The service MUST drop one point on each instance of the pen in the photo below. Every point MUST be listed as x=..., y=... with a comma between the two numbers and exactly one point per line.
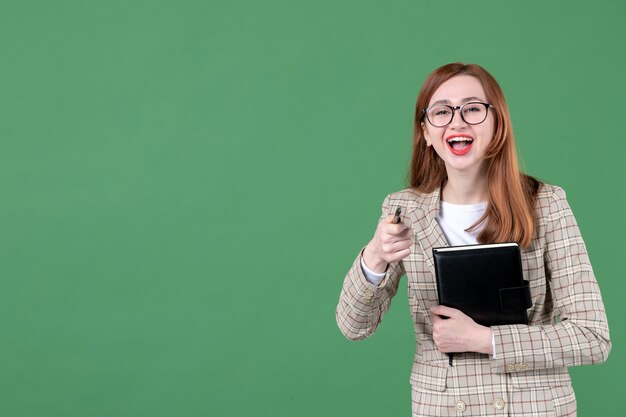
x=396, y=216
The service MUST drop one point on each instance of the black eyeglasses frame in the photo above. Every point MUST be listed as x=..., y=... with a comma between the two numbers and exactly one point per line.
x=454, y=109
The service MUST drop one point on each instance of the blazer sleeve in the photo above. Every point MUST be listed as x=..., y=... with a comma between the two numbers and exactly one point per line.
x=579, y=332
x=362, y=304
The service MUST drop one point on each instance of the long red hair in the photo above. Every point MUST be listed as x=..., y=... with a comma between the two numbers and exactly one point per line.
x=510, y=210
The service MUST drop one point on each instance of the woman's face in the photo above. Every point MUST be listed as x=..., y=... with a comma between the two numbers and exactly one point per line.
x=460, y=145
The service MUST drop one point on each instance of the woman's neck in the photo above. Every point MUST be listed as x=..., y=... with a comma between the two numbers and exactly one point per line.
x=465, y=189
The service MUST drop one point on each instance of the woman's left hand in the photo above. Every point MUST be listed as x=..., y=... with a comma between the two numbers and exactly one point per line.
x=459, y=333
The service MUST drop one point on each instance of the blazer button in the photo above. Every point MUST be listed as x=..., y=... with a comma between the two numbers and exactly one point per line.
x=524, y=367
x=498, y=403
x=460, y=406
x=368, y=295
x=518, y=367
x=510, y=367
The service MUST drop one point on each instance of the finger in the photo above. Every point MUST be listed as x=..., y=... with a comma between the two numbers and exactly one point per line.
x=391, y=248
x=445, y=311
x=392, y=239
x=390, y=219
x=398, y=256
x=395, y=229
x=400, y=228
x=405, y=233
x=435, y=318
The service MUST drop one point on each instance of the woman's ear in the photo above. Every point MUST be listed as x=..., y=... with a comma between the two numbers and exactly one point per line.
x=426, y=135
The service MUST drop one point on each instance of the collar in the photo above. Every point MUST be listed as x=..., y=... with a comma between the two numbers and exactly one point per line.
x=421, y=215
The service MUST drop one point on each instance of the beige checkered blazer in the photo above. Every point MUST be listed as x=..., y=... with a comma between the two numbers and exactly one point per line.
x=529, y=376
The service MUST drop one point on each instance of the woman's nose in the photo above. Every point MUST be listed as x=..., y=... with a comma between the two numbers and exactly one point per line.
x=457, y=121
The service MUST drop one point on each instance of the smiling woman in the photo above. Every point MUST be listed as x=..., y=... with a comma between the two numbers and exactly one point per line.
x=459, y=134
x=466, y=188
x=487, y=169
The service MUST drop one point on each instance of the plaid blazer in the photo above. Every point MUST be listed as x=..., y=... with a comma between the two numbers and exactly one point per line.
x=528, y=376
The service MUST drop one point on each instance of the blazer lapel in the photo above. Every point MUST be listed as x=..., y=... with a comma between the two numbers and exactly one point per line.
x=428, y=234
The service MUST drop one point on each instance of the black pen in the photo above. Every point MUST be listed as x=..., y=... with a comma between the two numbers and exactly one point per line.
x=396, y=216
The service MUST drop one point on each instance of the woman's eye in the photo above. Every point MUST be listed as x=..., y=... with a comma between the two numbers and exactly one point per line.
x=442, y=112
x=472, y=109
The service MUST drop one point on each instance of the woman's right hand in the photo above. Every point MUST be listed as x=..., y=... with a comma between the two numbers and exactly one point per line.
x=391, y=243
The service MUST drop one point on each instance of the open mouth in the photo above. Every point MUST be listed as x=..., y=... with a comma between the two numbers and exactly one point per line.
x=460, y=145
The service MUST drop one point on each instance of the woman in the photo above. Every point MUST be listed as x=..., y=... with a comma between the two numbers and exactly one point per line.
x=466, y=188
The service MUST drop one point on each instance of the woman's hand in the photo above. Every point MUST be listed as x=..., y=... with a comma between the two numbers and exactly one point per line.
x=391, y=243
x=459, y=333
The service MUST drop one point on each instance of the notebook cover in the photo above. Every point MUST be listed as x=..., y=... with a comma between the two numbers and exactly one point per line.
x=469, y=278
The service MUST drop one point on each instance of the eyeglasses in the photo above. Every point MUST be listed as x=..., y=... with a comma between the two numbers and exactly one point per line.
x=472, y=113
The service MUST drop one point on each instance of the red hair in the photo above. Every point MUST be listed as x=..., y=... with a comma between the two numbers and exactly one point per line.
x=511, y=194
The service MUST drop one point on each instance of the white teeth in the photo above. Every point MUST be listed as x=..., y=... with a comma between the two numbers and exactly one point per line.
x=460, y=139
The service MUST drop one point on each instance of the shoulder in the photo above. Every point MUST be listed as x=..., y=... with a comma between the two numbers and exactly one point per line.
x=411, y=197
x=551, y=201
x=550, y=192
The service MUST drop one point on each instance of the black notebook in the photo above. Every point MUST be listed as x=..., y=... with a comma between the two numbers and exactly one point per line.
x=483, y=281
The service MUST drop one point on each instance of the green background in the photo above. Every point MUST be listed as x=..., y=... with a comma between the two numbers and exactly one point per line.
x=184, y=185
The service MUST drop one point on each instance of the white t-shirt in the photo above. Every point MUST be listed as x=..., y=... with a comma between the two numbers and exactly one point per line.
x=454, y=219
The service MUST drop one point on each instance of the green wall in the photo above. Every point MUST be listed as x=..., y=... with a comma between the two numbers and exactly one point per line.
x=184, y=185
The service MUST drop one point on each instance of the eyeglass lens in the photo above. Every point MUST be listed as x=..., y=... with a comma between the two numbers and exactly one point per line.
x=472, y=113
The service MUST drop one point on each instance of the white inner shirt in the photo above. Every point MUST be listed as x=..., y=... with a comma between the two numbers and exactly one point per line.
x=454, y=219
